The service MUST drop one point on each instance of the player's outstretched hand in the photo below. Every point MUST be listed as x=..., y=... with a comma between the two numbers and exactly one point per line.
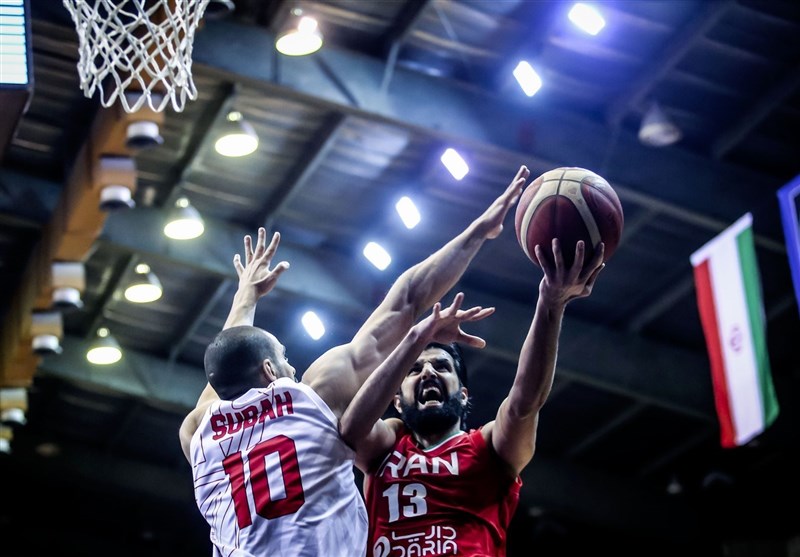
x=560, y=285
x=444, y=326
x=255, y=275
x=490, y=223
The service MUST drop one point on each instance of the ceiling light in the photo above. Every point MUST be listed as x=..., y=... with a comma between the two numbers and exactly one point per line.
x=105, y=350
x=238, y=137
x=313, y=325
x=657, y=130
x=528, y=79
x=142, y=134
x=69, y=280
x=116, y=178
x=14, y=416
x=587, y=18
x=145, y=287
x=45, y=345
x=46, y=330
x=300, y=36
x=376, y=255
x=184, y=222
x=455, y=164
x=408, y=212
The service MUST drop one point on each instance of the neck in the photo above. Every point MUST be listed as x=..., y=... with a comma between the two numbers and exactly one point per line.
x=432, y=439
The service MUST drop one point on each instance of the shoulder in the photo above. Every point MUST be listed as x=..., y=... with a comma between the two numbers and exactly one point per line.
x=486, y=431
x=328, y=377
x=397, y=426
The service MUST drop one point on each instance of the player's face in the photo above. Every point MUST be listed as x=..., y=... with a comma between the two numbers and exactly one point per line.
x=431, y=399
x=431, y=380
x=282, y=366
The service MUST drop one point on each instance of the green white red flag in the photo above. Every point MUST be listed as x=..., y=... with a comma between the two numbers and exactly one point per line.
x=732, y=313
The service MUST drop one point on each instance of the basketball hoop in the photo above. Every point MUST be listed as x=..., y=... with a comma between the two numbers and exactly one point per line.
x=137, y=51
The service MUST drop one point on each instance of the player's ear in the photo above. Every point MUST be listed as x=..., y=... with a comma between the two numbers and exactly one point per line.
x=268, y=371
x=397, y=405
x=463, y=396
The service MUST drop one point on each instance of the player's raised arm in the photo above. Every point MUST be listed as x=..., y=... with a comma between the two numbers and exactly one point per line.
x=338, y=374
x=513, y=433
x=256, y=280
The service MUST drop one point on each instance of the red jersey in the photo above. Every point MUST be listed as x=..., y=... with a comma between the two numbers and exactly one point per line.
x=453, y=499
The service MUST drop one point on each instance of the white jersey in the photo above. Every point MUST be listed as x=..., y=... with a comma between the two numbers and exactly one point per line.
x=273, y=477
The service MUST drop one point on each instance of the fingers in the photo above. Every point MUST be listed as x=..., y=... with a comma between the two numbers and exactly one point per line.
x=456, y=305
x=248, y=250
x=546, y=264
x=471, y=340
x=261, y=243
x=269, y=252
x=597, y=260
x=482, y=314
x=262, y=250
x=237, y=264
x=522, y=173
x=280, y=268
x=577, y=264
x=515, y=188
x=593, y=277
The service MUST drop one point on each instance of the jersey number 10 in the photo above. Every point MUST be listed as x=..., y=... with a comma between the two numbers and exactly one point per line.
x=266, y=506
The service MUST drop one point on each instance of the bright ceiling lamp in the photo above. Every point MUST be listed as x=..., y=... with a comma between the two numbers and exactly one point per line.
x=237, y=138
x=145, y=287
x=313, y=325
x=657, y=130
x=184, y=222
x=528, y=79
x=587, y=18
x=453, y=162
x=105, y=350
x=376, y=255
x=14, y=416
x=300, y=36
x=408, y=212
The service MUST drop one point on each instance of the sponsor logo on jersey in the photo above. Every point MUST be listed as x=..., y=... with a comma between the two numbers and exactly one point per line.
x=439, y=540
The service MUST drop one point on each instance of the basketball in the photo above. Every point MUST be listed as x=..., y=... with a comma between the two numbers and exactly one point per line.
x=570, y=204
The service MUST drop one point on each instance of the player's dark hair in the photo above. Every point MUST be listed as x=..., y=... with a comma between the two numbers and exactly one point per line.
x=233, y=360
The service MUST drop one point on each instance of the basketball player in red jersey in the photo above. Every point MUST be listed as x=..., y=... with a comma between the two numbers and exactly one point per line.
x=272, y=476
x=431, y=488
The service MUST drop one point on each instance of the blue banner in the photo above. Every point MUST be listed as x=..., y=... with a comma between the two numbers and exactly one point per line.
x=789, y=198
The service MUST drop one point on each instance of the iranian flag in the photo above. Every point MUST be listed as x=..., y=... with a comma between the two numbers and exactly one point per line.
x=732, y=314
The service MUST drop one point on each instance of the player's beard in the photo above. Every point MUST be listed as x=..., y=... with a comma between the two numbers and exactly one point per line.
x=429, y=421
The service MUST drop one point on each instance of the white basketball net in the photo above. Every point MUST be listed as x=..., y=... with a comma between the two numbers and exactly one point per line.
x=139, y=47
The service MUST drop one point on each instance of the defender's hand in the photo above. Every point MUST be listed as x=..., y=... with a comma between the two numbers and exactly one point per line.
x=490, y=223
x=255, y=275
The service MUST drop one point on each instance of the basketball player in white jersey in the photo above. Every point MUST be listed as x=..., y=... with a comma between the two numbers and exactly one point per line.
x=272, y=476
